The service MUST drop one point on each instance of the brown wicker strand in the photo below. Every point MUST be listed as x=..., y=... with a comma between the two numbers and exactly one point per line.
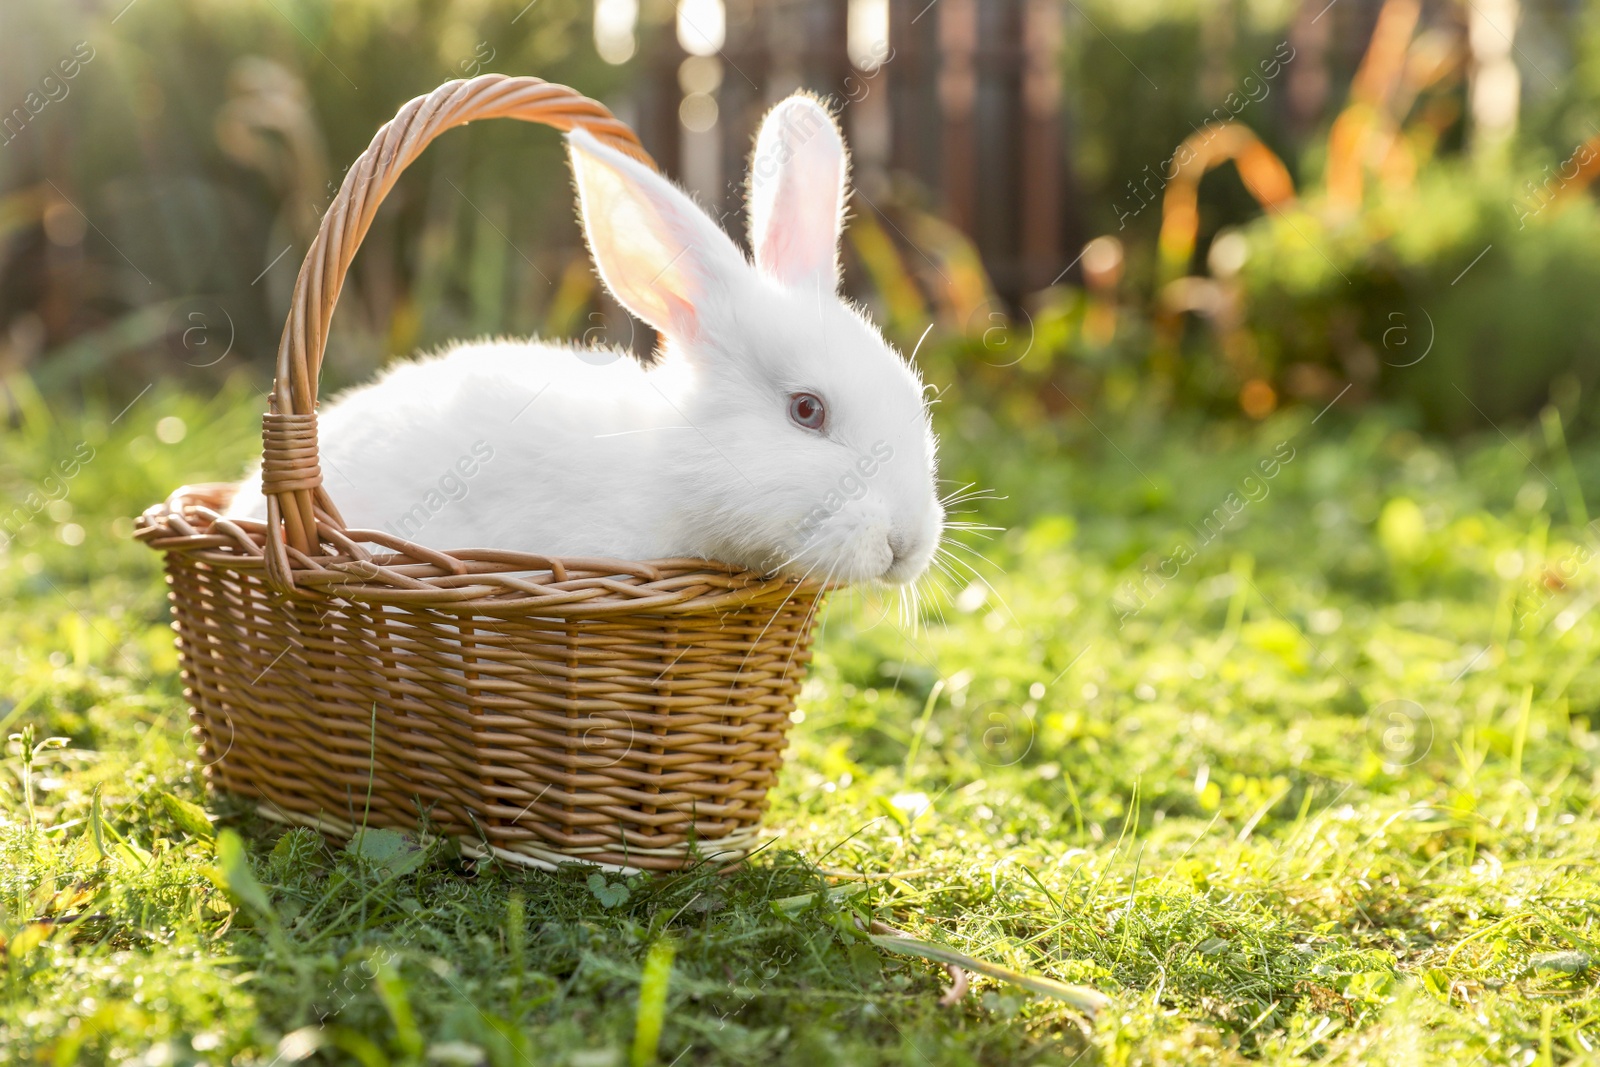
x=289, y=452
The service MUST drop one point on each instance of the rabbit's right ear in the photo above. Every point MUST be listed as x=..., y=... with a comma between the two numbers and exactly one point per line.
x=799, y=182
x=660, y=255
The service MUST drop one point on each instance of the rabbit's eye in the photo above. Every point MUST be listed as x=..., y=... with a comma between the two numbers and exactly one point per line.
x=806, y=409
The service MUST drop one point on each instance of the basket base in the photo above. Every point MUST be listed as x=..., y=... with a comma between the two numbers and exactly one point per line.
x=732, y=849
x=619, y=713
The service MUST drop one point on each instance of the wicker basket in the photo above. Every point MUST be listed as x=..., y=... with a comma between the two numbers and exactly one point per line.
x=630, y=714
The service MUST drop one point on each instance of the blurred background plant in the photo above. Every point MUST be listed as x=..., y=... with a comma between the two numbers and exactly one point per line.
x=1407, y=217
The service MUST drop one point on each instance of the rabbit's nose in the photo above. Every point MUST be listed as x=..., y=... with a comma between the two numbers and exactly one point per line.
x=897, y=549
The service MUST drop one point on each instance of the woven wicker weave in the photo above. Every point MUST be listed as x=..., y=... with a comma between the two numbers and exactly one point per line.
x=631, y=714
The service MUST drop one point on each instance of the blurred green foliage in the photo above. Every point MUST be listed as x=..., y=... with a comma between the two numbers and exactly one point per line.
x=1438, y=296
x=185, y=171
x=1461, y=285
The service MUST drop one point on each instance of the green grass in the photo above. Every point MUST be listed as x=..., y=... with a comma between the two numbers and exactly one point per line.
x=1328, y=796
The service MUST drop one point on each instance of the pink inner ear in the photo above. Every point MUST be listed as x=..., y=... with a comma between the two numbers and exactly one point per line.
x=657, y=253
x=801, y=234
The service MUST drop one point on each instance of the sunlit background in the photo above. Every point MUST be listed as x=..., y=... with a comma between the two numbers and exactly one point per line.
x=1236, y=205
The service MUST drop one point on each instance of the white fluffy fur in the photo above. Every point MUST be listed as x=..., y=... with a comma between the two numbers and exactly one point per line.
x=695, y=456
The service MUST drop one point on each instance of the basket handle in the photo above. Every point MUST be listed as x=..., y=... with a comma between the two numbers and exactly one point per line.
x=290, y=475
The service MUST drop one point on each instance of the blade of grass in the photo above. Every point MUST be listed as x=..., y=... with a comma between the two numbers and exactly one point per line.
x=652, y=1011
x=1089, y=1001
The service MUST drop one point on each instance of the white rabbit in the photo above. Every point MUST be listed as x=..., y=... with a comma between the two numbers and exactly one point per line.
x=777, y=430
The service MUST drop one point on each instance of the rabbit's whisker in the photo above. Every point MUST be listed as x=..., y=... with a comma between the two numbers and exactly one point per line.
x=647, y=429
x=946, y=547
x=776, y=612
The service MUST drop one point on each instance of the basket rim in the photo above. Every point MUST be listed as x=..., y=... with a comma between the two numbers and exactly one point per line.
x=476, y=581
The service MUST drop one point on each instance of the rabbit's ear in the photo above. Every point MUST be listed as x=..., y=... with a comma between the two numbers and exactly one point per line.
x=660, y=255
x=798, y=179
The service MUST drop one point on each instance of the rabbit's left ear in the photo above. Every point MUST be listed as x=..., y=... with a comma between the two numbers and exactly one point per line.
x=798, y=186
x=662, y=257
